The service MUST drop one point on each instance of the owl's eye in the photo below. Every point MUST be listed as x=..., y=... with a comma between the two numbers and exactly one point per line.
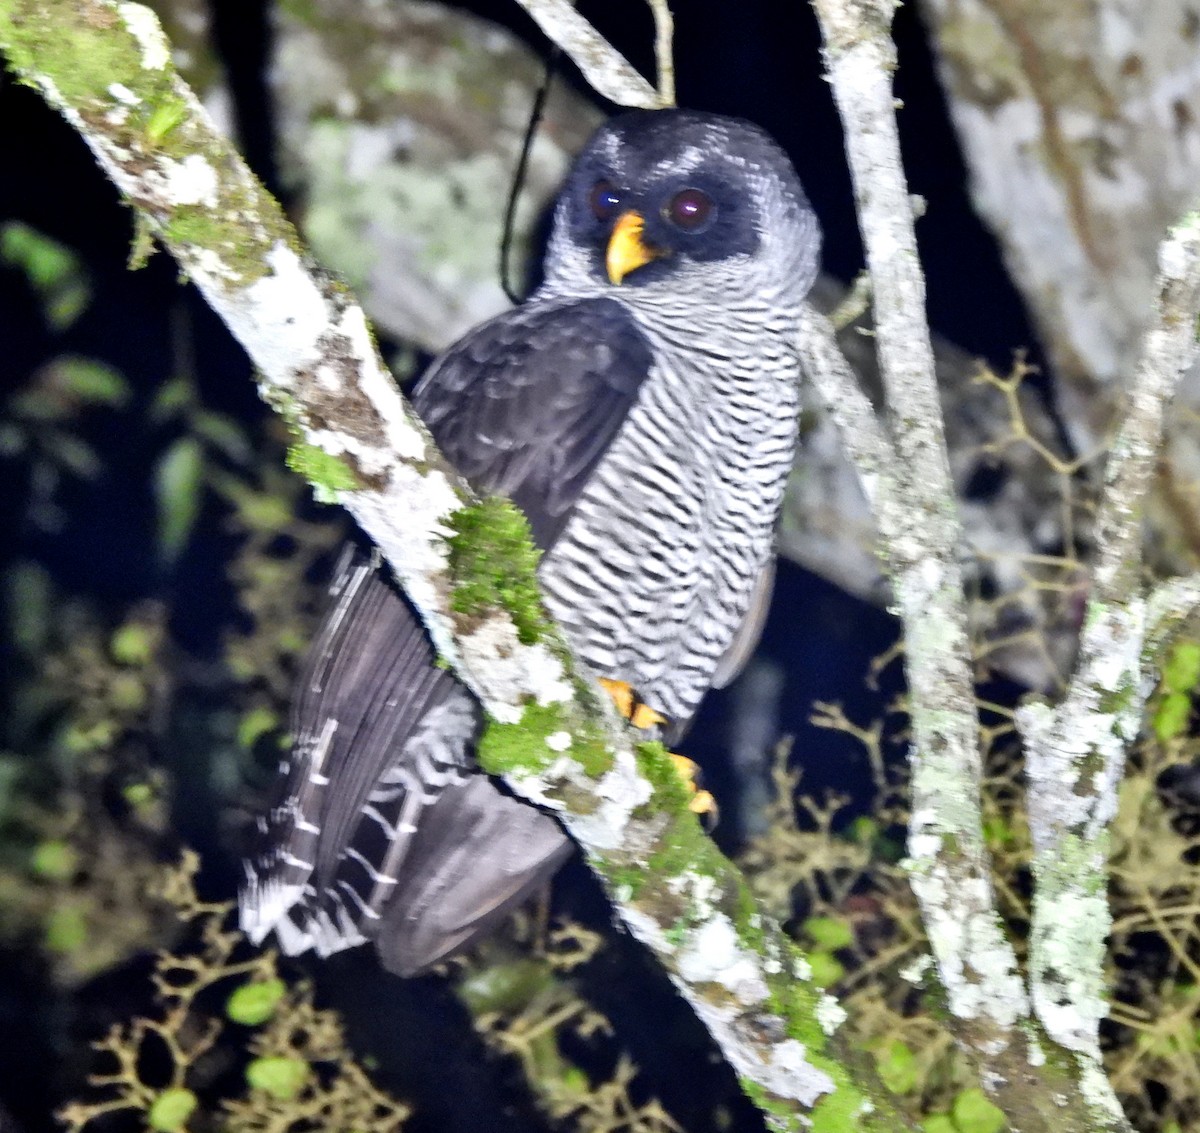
x=690, y=209
x=604, y=200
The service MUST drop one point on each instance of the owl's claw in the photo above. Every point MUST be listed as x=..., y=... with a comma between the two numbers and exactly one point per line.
x=640, y=715
x=702, y=802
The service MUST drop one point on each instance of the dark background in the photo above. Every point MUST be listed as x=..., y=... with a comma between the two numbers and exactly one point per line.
x=757, y=58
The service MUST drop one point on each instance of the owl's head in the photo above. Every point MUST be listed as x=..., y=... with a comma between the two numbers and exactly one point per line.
x=673, y=199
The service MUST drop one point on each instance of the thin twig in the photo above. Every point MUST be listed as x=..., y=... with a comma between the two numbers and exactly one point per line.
x=664, y=50
x=602, y=65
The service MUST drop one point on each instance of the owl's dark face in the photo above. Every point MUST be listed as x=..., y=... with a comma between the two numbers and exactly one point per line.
x=667, y=195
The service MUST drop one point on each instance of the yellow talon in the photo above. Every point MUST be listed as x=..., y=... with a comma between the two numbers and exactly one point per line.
x=701, y=803
x=645, y=717
x=705, y=806
x=640, y=715
x=687, y=769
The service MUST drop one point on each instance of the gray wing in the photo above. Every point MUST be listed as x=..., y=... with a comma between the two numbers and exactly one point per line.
x=383, y=829
x=525, y=405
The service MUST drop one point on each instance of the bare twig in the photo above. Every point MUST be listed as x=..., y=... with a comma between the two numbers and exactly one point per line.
x=664, y=52
x=602, y=64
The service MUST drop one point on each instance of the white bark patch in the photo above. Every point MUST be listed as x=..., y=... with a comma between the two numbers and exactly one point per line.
x=830, y=1014
x=712, y=953
x=282, y=315
x=508, y=672
x=990, y=988
x=1072, y=1004
x=143, y=25
x=403, y=441
x=192, y=181
x=782, y=1067
x=619, y=791
x=785, y=1072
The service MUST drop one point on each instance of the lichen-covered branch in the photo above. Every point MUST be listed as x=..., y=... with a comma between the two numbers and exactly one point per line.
x=602, y=65
x=107, y=67
x=1075, y=752
x=921, y=541
x=664, y=51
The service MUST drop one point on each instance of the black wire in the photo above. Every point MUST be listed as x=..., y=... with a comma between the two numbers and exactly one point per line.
x=510, y=211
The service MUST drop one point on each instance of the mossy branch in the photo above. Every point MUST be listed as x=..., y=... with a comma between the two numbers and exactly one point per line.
x=107, y=68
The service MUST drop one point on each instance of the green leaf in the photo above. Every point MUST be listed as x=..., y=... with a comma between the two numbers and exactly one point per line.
x=172, y=400
x=75, y=455
x=939, y=1123
x=826, y=969
x=132, y=644
x=29, y=598
x=829, y=933
x=224, y=434
x=973, y=1113
x=66, y=930
x=45, y=262
x=997, y=832
x=1172, y=715
x=280, y=1077
x=53, y=271
x=91, y=381
x=128, y=693
x=171, y=1109
x=254, y=1003
x=897, y=1066
x=254, y=725
x=138, y=795
x=864, y=830
x=177, y=490
x=1181, y=673
x=54, y=860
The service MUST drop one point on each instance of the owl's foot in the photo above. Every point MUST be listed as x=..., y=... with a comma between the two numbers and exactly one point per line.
x=702, y=803
x=642, y=717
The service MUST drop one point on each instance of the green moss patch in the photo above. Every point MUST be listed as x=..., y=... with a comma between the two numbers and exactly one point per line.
x=522, y=746
x=328, y=474
x=494, y=565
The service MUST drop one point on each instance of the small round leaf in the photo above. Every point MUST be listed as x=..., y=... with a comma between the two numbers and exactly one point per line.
x=280, y=1077
x=171, y=1109
x=254, y=1003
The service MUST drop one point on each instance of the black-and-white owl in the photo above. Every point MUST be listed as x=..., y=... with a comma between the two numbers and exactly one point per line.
x=641, y=409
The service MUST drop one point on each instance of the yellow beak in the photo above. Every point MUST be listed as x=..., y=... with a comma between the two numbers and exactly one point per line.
x=626, y=248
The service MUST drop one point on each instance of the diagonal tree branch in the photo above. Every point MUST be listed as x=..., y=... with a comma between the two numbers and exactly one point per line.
x=107, y=67
x=603, y=65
